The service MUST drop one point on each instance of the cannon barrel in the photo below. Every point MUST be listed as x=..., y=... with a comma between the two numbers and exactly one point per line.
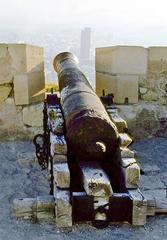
x=90, y=133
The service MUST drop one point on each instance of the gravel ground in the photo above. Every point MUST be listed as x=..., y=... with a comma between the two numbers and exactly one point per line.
x=18, y=179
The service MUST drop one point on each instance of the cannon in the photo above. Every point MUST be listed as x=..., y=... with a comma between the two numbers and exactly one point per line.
x=90, y=133
x=92, y=174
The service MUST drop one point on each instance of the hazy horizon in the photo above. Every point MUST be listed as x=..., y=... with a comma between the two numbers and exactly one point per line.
x=141, y=21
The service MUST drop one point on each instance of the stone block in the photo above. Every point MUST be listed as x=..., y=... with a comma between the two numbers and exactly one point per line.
x=45, y=207
x=41, y=207
x=127, y=89
x=58, y=144
x=150, y=96
x=125, y=140
x=157, y=59
x=35, y=58
x=26, y=58
x=61, y=175
x=122, y=60
x=5, y=91
x=19, y=59
x=160, y=198
x=56, y=126
x=28, y=88
x=33, y=115
x=95, y=180
x=59, y=158
x=150, y=169
x=151, y=183
x=139, y=208
x=26, y=159
x=6, y=70
x=131, y=172
x=24, y=207
x=119, y=122
x=63, y=209
x=127, y=153
x=106, y=82
x=151, y=202
x=8, y=111
x=124, y=87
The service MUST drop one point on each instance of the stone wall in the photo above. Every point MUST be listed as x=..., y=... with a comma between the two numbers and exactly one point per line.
x=139, y=74
x=22, y=85
x=132, y=72
x=145, y=120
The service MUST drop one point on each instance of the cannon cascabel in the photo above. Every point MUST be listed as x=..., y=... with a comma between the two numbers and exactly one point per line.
x=90, y=133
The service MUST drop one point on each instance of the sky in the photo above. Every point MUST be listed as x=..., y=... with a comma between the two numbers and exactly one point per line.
x=141, y=22
x=74, y=13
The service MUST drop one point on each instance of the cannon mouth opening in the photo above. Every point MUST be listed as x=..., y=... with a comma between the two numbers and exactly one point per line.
x=62, y=57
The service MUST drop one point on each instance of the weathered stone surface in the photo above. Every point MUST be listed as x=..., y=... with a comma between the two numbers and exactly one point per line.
x=5, y=91
x=151, y=203
x=119, y=122
x=122, y=59
x=124, y=87
x=24, y=207
x=150, y=169
x=61, y=175
x=127, y=89
x=139, y=208
x=41, y=207
x=56, y=121
x=150, y=96
x=125, y=140
x=45, y=203
x=145, y=119
x=18, y=59
x=58, y=144
x=151, y=183
x=132, y=172
x=160, y=198
x=6, y=74
x=95, y=180
x=8, y=111
x=143, y=90
x=27, y=88
x=127, y=153
x=57, y=158
x=26, y=158
x=157, y=59
x=63, y=209
x=33, y=116
x=161, y=206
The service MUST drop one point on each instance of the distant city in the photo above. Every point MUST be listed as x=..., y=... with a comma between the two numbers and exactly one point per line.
x=80, y=41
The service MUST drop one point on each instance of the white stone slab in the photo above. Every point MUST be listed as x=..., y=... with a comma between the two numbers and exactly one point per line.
x=132, y=172
x=61, y=175
x=63, y=209
x=139, y=208
x=95, y=180
x=58, y=144
x=125, y=140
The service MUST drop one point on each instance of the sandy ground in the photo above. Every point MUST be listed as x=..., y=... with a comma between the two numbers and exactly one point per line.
x=20, y=179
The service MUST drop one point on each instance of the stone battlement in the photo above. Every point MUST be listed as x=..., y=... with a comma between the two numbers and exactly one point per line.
x=132, y=72
x=22, y=81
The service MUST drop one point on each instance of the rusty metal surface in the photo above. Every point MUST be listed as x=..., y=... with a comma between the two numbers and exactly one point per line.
x=88, y=126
